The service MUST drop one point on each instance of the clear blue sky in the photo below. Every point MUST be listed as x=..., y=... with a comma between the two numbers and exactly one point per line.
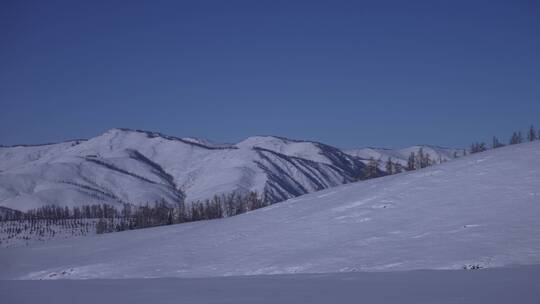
x=358, y=73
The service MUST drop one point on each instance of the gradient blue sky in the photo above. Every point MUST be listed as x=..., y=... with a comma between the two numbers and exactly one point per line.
x=358, y=73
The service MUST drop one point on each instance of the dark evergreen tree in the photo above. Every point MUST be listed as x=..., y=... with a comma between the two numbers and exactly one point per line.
x=426, y=160
x=478, y=147
x=419, y=159
x=371, y=170
x=422, y=160
x=531, y=134
x=496, y=143
x=398, y=168
x=411, y=161
x=101, y=226
x=389, y=166
x=513, y=139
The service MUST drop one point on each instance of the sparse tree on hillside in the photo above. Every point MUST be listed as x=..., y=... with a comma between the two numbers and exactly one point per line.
x=516, y=138
x=371, y=170
x=419, y=158
x=101, y=226
x=411, y=162
x=513, y=139
x=496, y=143
x=180, y=211
x=422, y=160
x=531, y=134
x=478, y=147
x=398, y=168
x=389, y=166
x=426, y=161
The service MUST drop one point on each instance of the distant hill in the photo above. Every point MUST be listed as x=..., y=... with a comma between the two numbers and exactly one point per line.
x=436, y=154
x=133, y=166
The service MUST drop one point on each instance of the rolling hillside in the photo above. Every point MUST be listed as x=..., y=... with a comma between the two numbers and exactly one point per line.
x=477, y=211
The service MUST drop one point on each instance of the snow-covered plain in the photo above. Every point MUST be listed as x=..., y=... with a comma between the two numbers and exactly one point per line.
x=492, y=286
x=477, y=210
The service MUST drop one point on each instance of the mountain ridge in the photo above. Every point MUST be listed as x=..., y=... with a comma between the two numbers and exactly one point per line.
x=125, y=165
x=138, y=166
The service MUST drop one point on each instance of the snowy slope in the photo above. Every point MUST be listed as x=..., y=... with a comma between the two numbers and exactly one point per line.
x=437, y=154
x=128, y=166
x=12, y=157
x=310, y=150
x=481, y=209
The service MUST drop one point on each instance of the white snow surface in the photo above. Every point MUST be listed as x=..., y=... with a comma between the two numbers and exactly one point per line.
x=482, y=209
x=491, y=286
x=129, y=166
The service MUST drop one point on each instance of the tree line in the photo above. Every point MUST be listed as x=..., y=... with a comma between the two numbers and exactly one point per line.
x=21, y=231
x=415, y=161
x=159, y=213
x=516, y=138
x=421, y=159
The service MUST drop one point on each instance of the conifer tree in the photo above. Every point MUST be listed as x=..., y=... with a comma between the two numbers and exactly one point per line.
x=496, y=143
x=398, y=168
x=101, y=226
x=411, y=162
x=389, y=166
x=418, y=162
x=532, y=134
x=371, y=169
x=478, y=147
x=426, y=161
x=516, y=138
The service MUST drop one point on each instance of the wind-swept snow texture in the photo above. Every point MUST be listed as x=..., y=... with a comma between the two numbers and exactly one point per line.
x=128, y=166
x=483, y=210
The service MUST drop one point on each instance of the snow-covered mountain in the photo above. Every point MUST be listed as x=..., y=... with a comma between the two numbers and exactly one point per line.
x=134, y=166
x=482, y=209
x=436, y=154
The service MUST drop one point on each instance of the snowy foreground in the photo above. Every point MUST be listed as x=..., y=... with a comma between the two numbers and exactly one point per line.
x=491, y=286
x=480, y=210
